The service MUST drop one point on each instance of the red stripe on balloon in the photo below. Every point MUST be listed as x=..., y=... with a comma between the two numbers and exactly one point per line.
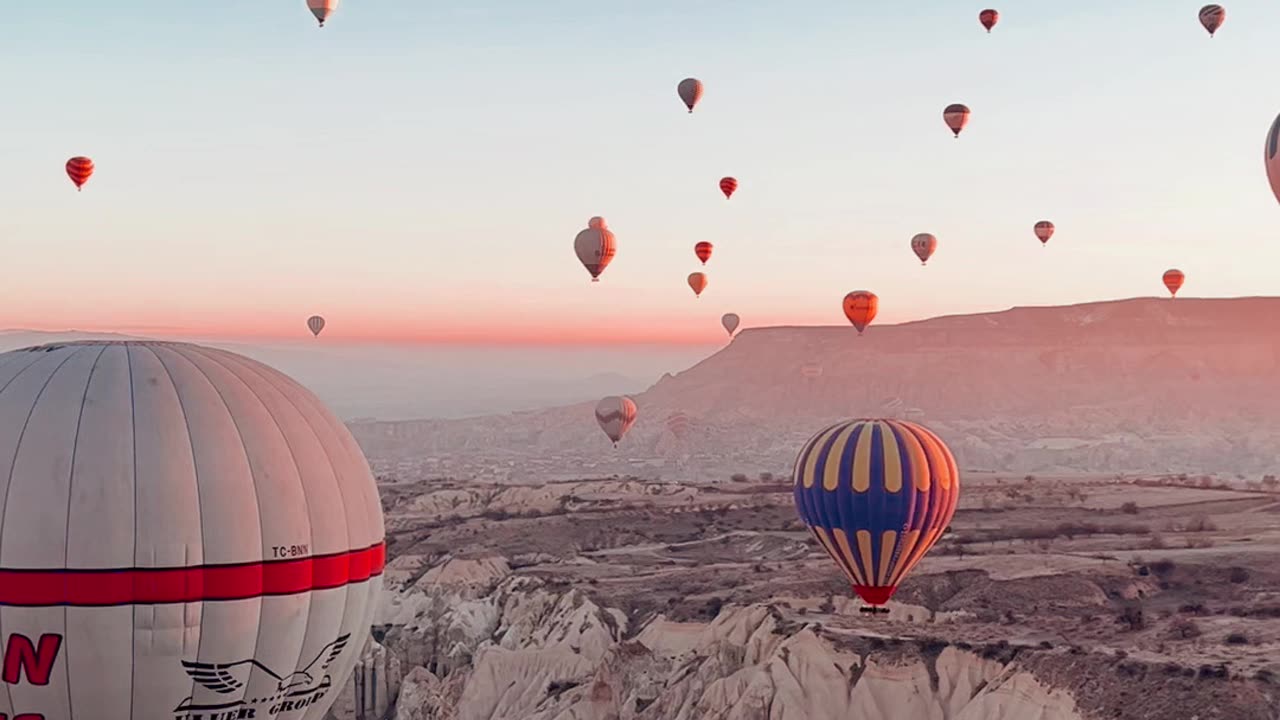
x=156, y=586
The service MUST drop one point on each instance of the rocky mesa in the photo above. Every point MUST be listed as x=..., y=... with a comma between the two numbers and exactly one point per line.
x=1148, y=385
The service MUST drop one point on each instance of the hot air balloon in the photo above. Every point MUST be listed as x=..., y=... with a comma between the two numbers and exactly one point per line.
x=1211, y=17
x=595, y=247
x=690, y=91
x=730, y=322
x=678, y=424
x=186, y=530
x=860, y=307
x=1271, y=157
x=956, y=116
x=322, y=9
x=876, y=495
x=727, y=186
x=703, y=251
x=1173, y=280
x=315, y=323
x=79, y=169
x=698, y=281
x=989, y=18
x=1044, y=230
x=616, y=414
x=923, y=246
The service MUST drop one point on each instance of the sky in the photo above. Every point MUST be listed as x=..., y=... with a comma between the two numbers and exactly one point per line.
x=417, y=171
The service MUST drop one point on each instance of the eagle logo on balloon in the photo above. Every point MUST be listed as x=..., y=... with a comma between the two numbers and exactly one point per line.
x=227, y=678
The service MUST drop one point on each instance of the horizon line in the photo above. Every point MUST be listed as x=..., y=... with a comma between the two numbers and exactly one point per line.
x=588, y=336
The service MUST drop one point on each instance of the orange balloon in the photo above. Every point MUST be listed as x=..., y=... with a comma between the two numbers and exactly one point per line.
x=860, y=307
x=1173, y=280
x=698, y=281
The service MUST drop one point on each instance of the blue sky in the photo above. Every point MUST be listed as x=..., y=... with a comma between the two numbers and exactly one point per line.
x=417, y=166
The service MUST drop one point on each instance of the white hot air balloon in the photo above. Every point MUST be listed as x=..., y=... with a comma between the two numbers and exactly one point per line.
x=730, y=321
x=315, y=324
x=595, y=247
x=322, y=9
x=184, y=533
x=615, y=415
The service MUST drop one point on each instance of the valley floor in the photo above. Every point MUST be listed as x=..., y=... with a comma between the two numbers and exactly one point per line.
x=1052, y=598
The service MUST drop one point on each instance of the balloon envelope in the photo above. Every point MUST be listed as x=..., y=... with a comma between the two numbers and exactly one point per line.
x=79, y=169
x=956, y=117
x=595, y=247
x=1212, y=17
x=615, y=415
x=183, y=528
x=698, y=281
x=924, y=245
x=1271, y=157
x=860, y=307
x=727, y=186
x=690, y=91
x=703, y=251
x=876, y=495
x=989, y=18
x=730, y=322
x=315, y=323
x=678, y=424
x=322, y=9
x=1173, y=280
x=1044, y=230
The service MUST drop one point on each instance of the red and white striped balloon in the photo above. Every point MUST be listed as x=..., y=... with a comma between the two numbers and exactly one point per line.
x=79, y=169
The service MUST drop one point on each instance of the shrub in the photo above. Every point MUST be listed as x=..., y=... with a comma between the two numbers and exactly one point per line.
x=1131, y=616
x=1129, y=508
x=1238, y=575
x=1236, y=639
x=1201, y=523
x=1184, y=628
x=1162, y=568
x=738, y=477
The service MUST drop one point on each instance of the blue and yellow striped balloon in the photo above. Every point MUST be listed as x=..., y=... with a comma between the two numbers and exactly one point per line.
x=877, y=495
